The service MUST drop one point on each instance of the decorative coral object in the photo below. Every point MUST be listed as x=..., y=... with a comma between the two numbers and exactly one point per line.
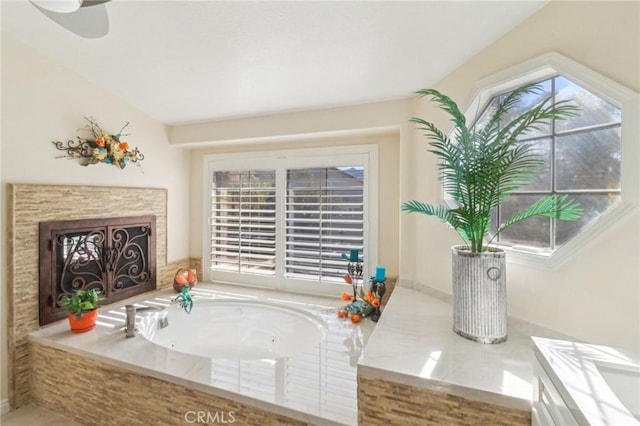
x=184, y=277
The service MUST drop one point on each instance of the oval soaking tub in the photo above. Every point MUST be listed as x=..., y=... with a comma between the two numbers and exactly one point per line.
x=237, y=329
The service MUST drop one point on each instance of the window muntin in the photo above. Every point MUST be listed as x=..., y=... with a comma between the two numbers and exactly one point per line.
x=582, y=159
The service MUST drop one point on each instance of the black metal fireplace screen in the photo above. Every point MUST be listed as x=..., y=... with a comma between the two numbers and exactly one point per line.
x=116, y=256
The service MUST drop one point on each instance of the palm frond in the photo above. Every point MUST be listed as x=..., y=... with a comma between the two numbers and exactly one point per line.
x=510, y=101
x=536, y=117
x=446, y=215
x=553, y=206
x=481, y=168
x=446, y=104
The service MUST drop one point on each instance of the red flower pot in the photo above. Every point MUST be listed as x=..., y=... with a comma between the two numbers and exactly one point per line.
x=86, y=322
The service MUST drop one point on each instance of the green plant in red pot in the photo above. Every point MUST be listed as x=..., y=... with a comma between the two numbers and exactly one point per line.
x=82, y=306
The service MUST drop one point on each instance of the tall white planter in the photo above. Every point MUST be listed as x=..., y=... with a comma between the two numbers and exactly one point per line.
x=479, y=295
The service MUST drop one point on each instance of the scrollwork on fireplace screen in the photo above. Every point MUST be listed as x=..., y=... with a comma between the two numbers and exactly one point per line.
x=116, y=256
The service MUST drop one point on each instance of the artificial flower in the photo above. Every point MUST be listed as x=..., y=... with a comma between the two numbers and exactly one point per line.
x=369, y=296
x=99, y=153
x=101, y=147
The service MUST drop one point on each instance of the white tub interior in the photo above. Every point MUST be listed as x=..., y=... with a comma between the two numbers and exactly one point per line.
x=235, y=329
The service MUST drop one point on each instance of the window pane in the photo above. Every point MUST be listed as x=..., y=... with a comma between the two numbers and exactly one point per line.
x=243, y=219
x=541, y=148
x=526, y=103
x=324, y=218
x=595, y=110
x=593, y=205
x=488, y=112
x=534, y=231
x=589, y=160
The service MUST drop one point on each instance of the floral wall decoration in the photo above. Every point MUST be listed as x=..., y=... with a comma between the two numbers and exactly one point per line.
x=100, y=147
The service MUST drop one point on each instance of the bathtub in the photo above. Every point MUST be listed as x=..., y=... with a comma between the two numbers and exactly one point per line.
x=279, y=352
x=235, y=329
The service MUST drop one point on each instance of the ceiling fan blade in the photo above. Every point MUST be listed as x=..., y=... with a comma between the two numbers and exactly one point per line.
x=58, y=6
x=86, y=22
x=87, y=3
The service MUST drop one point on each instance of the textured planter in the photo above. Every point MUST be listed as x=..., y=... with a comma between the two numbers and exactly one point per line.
x=85, y=323
x=479, y=295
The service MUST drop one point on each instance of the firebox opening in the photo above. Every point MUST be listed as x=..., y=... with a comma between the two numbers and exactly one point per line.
x=116, y=256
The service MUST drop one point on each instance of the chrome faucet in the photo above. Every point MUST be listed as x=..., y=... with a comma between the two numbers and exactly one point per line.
x=130, y=329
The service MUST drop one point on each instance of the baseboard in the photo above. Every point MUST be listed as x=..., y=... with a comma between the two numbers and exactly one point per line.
x=4, y=407
x=423, y=288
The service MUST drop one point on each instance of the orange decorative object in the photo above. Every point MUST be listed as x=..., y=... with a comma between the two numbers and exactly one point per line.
x=342, y=313
x=347, y=279
x=375, y=303
x=124, y=145
x=83, y=324
x=355, y=318
x=346, y=296
x=184, y=277
x=369, y=296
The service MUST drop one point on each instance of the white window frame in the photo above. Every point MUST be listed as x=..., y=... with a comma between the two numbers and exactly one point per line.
x=544, y=67
x=365, y=155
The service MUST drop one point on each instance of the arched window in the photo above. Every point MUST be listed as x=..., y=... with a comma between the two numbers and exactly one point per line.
x=583, y=156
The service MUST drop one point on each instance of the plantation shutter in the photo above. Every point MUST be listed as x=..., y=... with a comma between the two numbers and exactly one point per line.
x=324, y=218
x=243, y=221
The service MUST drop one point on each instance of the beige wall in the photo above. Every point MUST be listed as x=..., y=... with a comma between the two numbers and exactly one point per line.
x=595, y=295
x=385, y=124
x=43, y=101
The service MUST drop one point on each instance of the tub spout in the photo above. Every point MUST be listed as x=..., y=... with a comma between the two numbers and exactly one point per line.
x=130, y=327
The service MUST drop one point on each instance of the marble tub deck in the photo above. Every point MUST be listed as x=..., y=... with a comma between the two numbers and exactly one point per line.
x=415, y=347
x=318, y=386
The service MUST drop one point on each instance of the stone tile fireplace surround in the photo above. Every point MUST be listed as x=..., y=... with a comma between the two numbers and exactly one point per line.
x=29, y=204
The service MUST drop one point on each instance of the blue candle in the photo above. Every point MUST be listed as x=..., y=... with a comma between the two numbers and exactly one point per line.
x=353, y=255
x=380, y=274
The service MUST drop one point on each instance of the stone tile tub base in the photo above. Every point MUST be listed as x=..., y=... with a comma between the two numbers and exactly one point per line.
x=384, y=402
x=94, y=393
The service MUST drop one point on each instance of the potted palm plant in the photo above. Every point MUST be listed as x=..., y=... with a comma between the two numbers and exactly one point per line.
x=82, y=307
x=480, y=167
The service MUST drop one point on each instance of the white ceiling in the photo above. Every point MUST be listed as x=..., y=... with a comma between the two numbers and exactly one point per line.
x=191, y=61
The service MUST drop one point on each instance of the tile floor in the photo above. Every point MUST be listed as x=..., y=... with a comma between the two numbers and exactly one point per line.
x=34, y=415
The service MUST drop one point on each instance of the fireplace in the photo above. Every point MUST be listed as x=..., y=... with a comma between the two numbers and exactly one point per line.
x=116, y=256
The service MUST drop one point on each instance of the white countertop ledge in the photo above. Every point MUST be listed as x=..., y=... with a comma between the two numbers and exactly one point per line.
x=573, y=368
x=414, y=344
